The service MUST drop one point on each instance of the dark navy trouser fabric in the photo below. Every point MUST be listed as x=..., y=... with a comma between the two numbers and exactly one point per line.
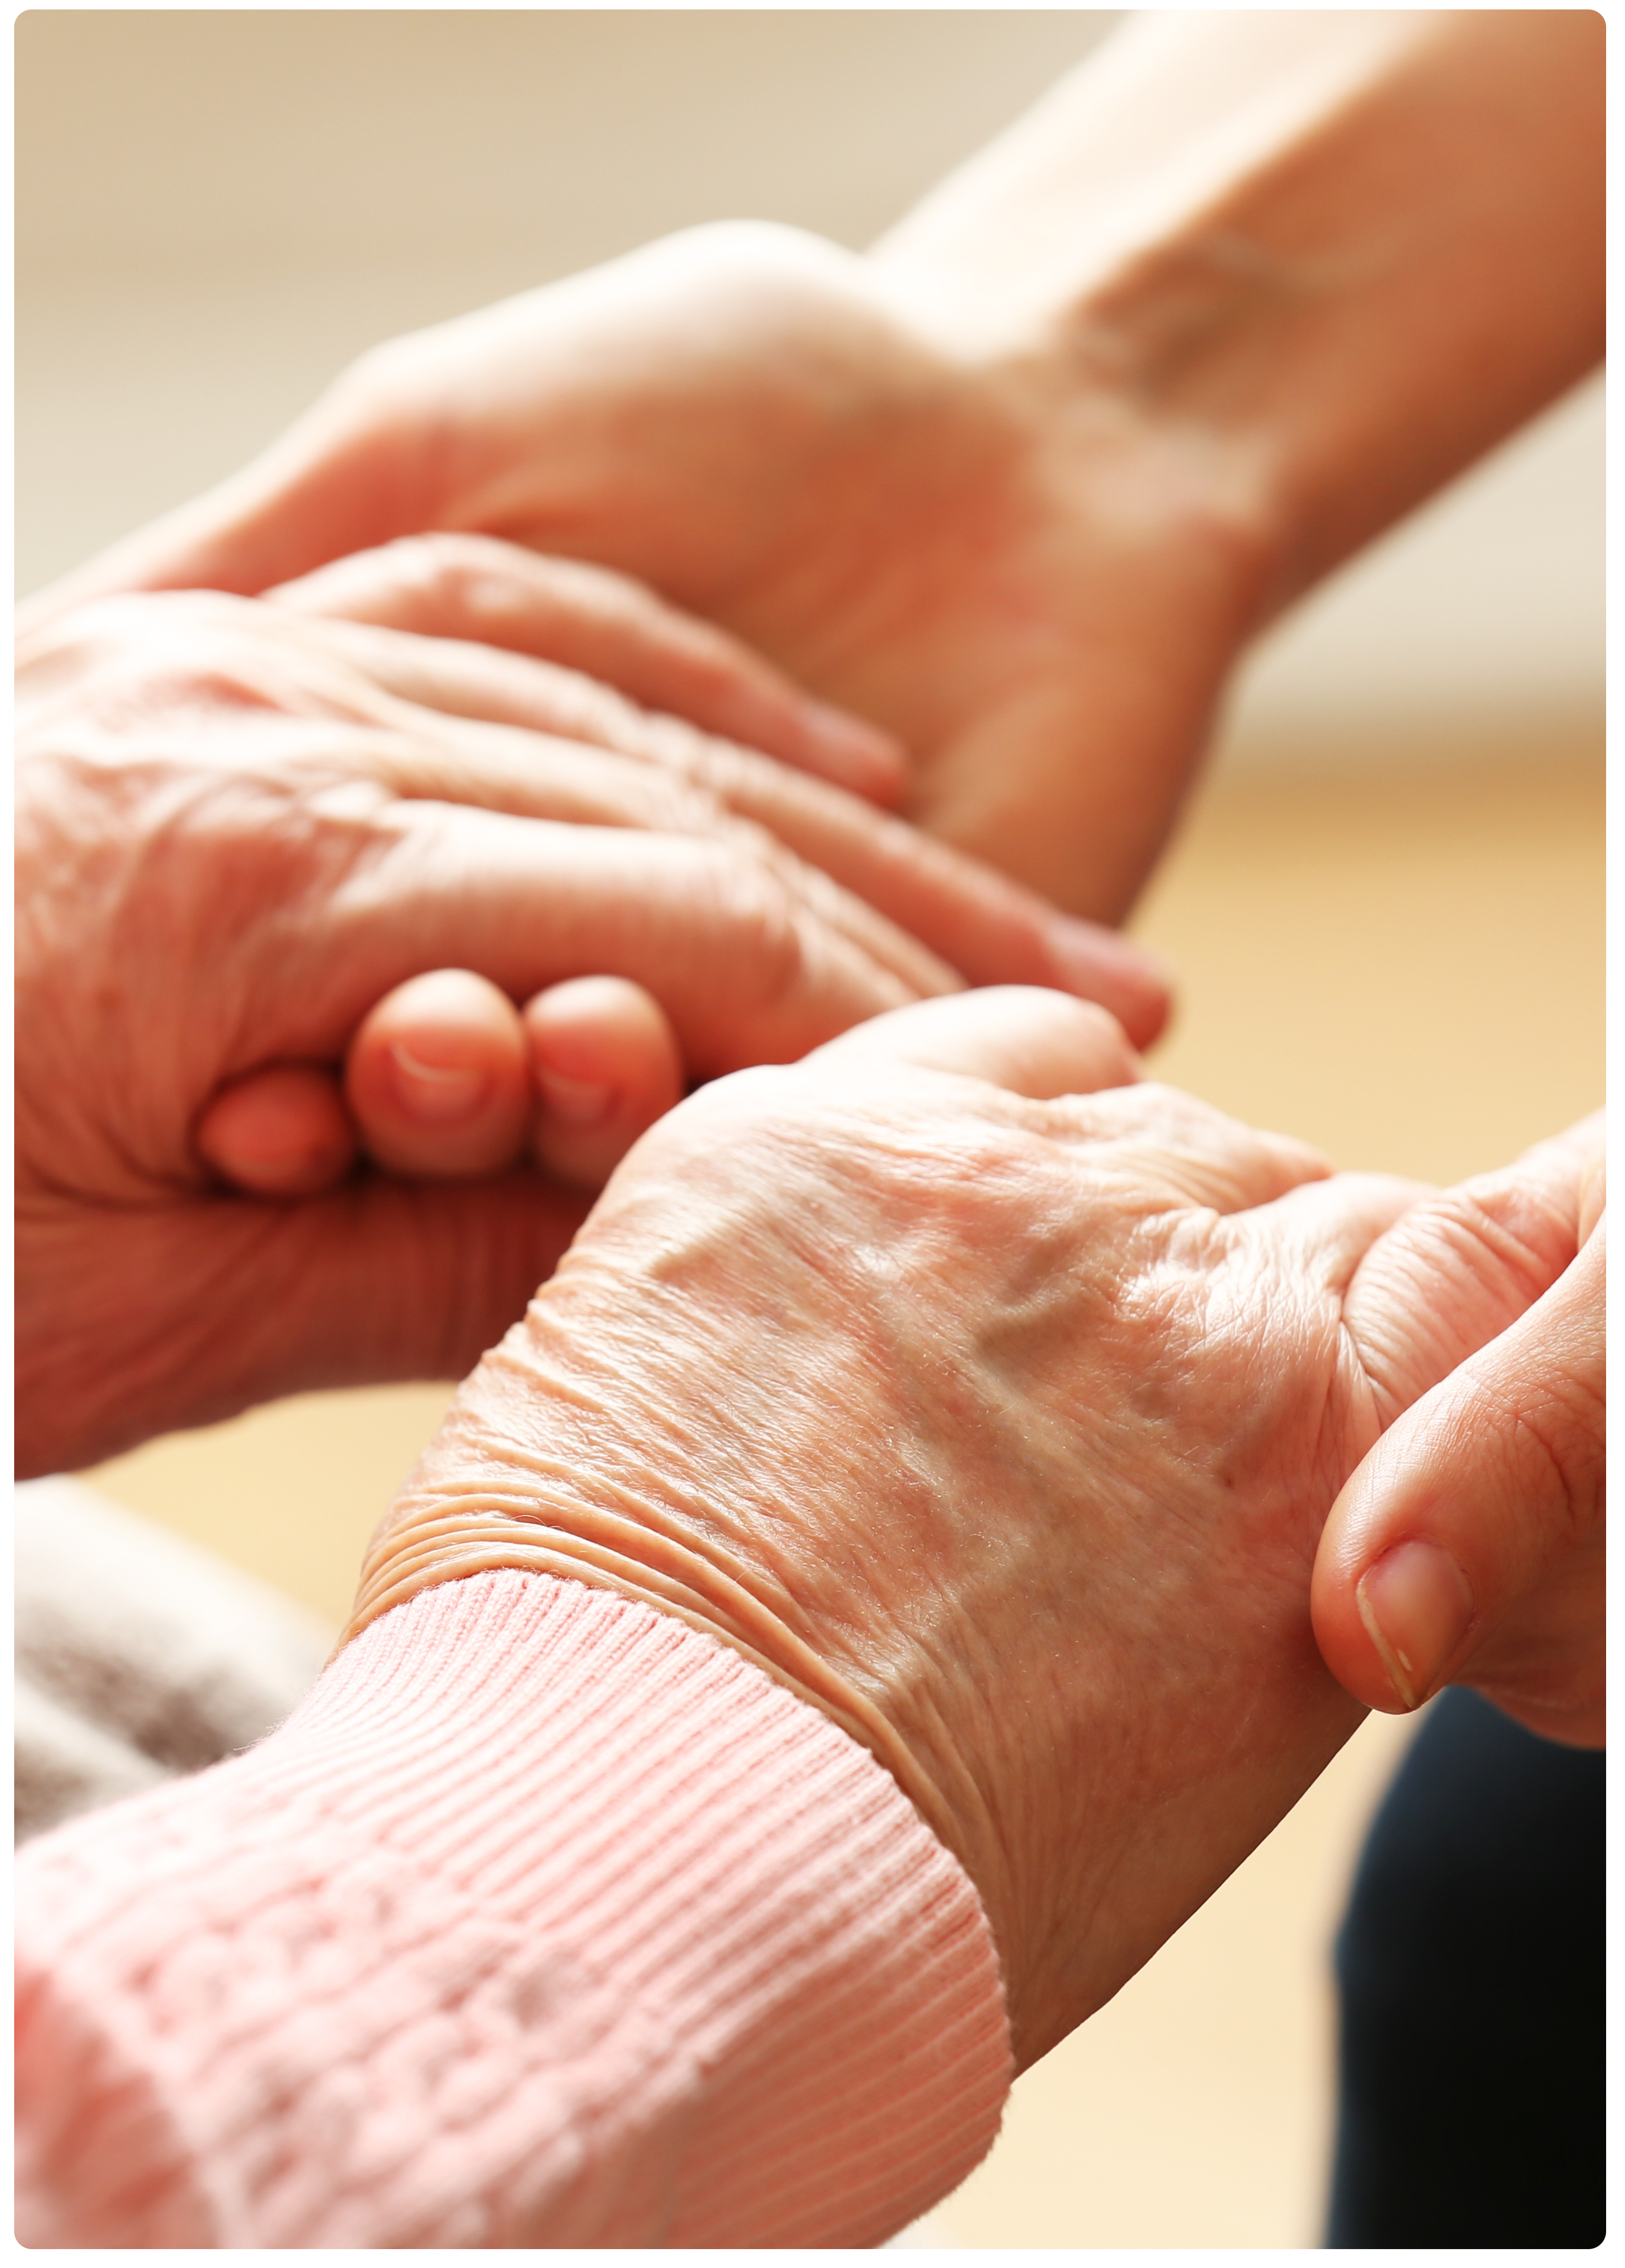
x=1470, y=1968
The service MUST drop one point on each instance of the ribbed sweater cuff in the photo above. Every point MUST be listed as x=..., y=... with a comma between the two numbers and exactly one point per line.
x=545, y=1920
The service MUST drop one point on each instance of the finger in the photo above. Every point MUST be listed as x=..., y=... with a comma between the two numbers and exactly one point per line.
x=607, y=1064
x=990, y=928
x=321, y=489
x=437, y=1077
x=738, y=955
x=526, y=773
x=987, y=928
x=280, y=1132
x=1466, y=1263
x=1491, y=1481
x=609, y=627
x=1037, y=1043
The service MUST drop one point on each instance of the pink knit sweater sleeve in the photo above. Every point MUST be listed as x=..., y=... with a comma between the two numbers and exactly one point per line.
x=544, y=1921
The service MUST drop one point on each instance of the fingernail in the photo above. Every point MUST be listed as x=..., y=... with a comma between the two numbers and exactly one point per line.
x=1085, y=948
x=577, y=1101
x=874, y=754
x=1099, y=965
x=436, y=1094
x=1418, y=1606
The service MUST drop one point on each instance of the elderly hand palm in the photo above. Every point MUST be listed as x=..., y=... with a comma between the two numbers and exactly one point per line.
x=1003, y=1425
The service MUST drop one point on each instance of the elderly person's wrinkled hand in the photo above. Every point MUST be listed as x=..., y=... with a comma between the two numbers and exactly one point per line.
x=999, y=1420
x=241, y=826
x=1470, y=1547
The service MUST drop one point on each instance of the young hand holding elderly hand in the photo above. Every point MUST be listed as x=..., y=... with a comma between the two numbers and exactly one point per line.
x=1102, y=1363
x=911, y=534
x=1022, y=484
x=1033, y=1434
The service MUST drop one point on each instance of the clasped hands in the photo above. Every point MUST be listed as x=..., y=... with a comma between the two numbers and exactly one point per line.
x=1100, y=1369
x=1001, y=1418
x=248, y=833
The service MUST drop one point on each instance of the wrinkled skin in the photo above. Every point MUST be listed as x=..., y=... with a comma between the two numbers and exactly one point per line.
x=1037, y=577
x=1501, y=1469
x=1041, y=594
x=1000, y=1419
x=240, y=827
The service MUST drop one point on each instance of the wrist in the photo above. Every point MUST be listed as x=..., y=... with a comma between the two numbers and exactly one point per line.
x=1182, y=472
x=652, y=1548
x=646, y=1552
x=1274, y=243
x=601, y=1914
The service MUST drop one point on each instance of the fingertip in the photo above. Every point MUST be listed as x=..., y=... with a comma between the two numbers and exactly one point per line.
x=280, y=1132
x=1025, y=1038
x=856, y=754
x=1398, y=1586
x=437, y=1077
x=607, y=1064
x=1415, y=1606
x=1392, y=1614
x=1102, y=965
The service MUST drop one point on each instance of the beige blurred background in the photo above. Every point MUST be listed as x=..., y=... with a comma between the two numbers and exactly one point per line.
x=1385, y=907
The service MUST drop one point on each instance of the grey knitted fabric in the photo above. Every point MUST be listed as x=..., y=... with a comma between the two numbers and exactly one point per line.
x=139, y=1656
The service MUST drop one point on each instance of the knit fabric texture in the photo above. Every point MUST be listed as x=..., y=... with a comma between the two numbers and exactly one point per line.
x=544, y=1921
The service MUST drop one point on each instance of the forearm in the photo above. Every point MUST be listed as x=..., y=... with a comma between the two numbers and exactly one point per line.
x=1338, y=254
x=544, y=1921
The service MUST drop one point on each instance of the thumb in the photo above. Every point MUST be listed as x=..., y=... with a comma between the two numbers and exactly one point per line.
x=1467, y=1546
x=324, y=489
x=1023, y=1037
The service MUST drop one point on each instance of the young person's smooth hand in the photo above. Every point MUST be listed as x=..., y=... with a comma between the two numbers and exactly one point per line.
x=1039, y=596
x=1020, y=484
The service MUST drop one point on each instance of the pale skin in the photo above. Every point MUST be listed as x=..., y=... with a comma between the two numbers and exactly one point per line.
x=588, y=1070
x=1020, y=486
x=241, y=826
x=1486, y=1502
x=1103, y=1363
x=1470, y=1545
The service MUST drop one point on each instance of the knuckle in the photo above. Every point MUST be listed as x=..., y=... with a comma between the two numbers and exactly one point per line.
x=1550, y=1435
x=470, y=574
x=1510, y=1223
x=580, y=709
x=1164, y=1114
x=1568, y=1453
x=723, y=772
x=513, y=596
x=762, y=925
